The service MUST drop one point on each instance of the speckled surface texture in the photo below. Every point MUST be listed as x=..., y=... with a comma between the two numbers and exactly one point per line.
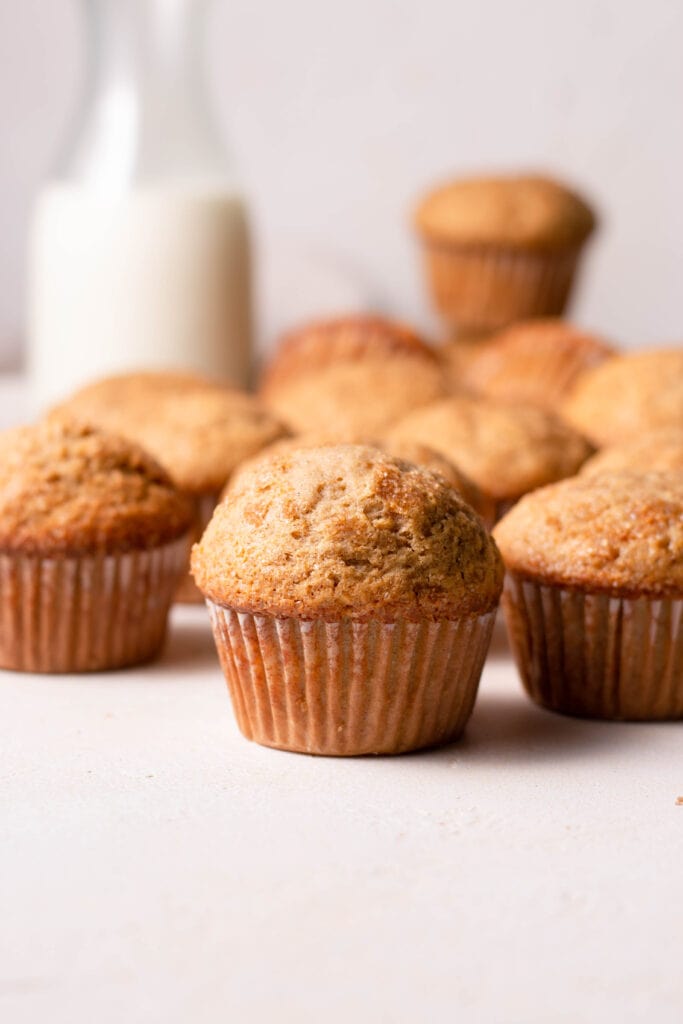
x=69, y=488
x=347, y=531
x=621, y=532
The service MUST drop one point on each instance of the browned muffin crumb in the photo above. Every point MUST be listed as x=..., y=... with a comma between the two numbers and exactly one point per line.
x=409, y=451
x=67, y=488
x=347, y=531
x=535, y=361
x=621, y=532
x=658, y=451
x=507, y=449
x=428, y=458
x=530, y=212
x=627, y=395
x=198, y=431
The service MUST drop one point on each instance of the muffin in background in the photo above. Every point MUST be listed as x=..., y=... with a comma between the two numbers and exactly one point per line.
x=628, y=395
x=506, y=449
x=199, y=431
x=500, y=249
x=352, y=597
x=94, y=539
x=537, y=361
x=459, y=354
x=594, y=594
x=658, y=451
x=409, y=451
x=352, y=375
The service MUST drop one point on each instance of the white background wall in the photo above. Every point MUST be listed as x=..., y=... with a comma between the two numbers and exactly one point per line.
x=341, y=112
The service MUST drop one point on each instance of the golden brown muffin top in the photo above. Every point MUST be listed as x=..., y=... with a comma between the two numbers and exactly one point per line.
x=320, y=344
x=347, y=531
x=409, y=451
x=536, y=361
x=658, y=451
x=428, y=458
x=627, y=395
x=198, y=431
x=620, y=532
x=526, y=211
x=506, y=448
x=67, y=489
x=361, y=397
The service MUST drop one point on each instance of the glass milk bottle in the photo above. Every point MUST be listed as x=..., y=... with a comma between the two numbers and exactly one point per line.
x=140, y=246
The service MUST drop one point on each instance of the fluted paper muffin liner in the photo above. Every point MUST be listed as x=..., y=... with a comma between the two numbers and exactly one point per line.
x=594, y=655
x=347, y=688
x=484, y=288
x=203, y=506
x=87, y=612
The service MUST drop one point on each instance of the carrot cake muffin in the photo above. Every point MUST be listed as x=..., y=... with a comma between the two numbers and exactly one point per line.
x=658, y=451
x=594, y=594
x=352, y=597
x=197, y=430
x=93, y=542
x=536, y=361
x=352, y=375
x=500, y=249
x=506, y=449
x=628, y=395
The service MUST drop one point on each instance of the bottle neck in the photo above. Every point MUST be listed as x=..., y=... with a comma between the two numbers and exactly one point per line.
x=146, y=117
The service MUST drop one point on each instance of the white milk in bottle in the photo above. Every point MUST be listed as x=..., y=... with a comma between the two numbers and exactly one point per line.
x=139, y=252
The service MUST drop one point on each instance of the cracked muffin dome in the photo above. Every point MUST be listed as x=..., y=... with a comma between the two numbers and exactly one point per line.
x=627, y=395
x=351, y=375
x=409, y=451
x=347, y=531
x=199, y=431
x=621, y=532
x=506, y=448
x=66, y=488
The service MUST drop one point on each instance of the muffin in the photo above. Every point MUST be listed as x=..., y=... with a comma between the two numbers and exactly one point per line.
x=500, y=249
x=628, y=395
x=506, y=449
x=93, y=542
x=594, y=594
x=352, y=375
x=197, y=430
x=352, y=597
x=659, y=451
x=460, y=353
x=536, y=361
x=428, y=458
x=409, y=451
